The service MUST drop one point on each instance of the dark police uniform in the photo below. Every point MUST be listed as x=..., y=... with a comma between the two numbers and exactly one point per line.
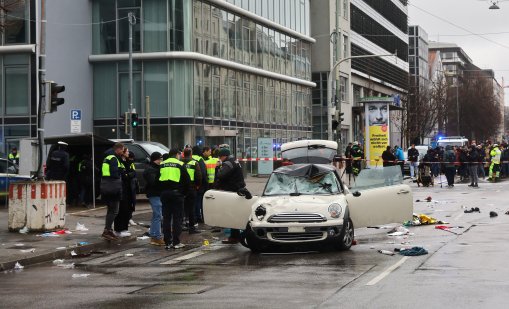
x=111, y=188
x=174, y=181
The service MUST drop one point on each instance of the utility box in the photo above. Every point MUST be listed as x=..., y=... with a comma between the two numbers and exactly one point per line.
x=29, y=156
x=37, y=205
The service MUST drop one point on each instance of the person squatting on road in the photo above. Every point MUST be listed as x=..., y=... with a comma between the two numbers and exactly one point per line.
x=111, y=187
x=230, y=178
x=175, y=182
x=195, y=177
x=413, y=160
x=153, y=192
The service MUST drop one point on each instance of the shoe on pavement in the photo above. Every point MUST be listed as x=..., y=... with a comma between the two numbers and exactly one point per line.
x=157, y=242
x=230, y=241
x=125, y=234
x=109, y=235
x=167, y=246
x=178, y=246
x=194, y=231
x=132, y=223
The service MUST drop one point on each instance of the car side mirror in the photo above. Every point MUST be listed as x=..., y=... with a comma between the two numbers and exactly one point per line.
x=356, y=194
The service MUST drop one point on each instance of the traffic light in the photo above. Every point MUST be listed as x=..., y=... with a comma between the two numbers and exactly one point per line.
x=340, y=117
x=335, y=124
x=52, y=99
x=134, y=120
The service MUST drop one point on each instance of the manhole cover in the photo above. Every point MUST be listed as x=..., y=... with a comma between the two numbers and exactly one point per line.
x=174, y=289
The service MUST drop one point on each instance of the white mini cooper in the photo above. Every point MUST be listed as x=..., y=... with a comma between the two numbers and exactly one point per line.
x=307, y=202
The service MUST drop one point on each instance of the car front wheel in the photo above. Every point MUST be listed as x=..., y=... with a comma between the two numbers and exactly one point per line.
x=347, y=236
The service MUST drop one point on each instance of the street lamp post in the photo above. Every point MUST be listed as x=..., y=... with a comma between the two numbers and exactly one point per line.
x=329, y=90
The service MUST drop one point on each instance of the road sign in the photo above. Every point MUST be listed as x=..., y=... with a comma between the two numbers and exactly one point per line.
x=75, y=120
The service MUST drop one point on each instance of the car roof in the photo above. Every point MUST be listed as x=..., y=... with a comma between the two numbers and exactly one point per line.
x=305, y=170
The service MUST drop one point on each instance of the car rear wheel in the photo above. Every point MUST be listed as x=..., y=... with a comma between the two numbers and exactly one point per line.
x=347, y=236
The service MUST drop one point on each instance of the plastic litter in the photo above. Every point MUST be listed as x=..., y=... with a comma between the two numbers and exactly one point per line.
x=386, y=252
x=18, y=266
x=142, y=237
x=31, y=250
x=24, y=230
x=66, y=266
x=61, y=248
x=73, y=253
x=206, y=242
x=58, y=262
x=19, y=245
x=129, y=254
x=81, y=227
x=400, y=229
x=49, y=234
x=80, y=275
x=83, y=243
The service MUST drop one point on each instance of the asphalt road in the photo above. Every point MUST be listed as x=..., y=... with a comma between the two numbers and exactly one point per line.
x=465, y=268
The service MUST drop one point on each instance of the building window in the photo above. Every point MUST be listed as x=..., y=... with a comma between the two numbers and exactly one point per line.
x=343, y=82
x=16, y=90
x=15, y=21
x=345, y=9
x=345, y=46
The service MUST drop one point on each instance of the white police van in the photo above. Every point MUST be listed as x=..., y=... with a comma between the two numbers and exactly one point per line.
x=452, y=141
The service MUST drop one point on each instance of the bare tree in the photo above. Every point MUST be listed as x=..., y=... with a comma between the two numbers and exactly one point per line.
x=11, y=12
x=480, y=111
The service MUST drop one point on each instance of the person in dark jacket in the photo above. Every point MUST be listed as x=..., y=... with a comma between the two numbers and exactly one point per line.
x=86, y=171
x=174, y=183
x=230, y=178
x=153, y=192
x=473, y=162
x=125, y=210
x=57, y=164
x=197, y=156
x=195, y=176
x=413, y=160
x=388, y=159
x=449, y=159
x=111, y=187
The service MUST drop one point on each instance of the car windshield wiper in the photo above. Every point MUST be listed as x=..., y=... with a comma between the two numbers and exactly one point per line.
x=295, y=194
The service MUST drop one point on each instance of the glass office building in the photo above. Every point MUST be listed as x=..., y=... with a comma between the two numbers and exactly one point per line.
x=215, y=71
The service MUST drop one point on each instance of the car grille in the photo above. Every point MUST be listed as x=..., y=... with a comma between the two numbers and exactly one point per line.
x=298, y=236
x=296, y=217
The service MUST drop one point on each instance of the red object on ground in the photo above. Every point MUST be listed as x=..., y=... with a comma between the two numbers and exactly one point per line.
x=442, y=227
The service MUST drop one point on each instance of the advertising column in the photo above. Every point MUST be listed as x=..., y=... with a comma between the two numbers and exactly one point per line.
x=377, y=131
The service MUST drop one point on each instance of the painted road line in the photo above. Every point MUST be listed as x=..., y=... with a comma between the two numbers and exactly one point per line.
x=386, y=272
x=190, y=255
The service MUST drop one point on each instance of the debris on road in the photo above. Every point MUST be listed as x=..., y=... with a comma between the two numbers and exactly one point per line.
x=493, y=214
x=18, y=266
x=142, y=237
x=81, y=227
x=423, y=219
x=58, y=262
x=24, y=230
x=386, y=252
x=80, y=275
x=31, y=250
x=415, y=251
x=129, y=254
x=398, y=231
x=471, y=210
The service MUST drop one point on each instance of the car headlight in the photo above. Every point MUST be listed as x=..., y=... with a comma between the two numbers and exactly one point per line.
x=335, y=210
x=260, y=212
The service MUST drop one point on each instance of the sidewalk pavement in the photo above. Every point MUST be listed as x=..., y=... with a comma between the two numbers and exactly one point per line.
x=31, y=248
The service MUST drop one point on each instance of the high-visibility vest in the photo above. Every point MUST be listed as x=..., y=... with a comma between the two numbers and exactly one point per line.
x=170, y=170
x=495, y=155
x=211, y=164
x=197, y=158
x=12, y=157
x=106, y=165
x=190, y=167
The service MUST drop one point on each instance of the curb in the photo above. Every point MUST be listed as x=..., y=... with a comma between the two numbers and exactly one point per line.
x=60, y=254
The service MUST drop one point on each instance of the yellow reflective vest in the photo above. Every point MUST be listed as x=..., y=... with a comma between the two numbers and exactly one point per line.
x=106, y=165
x=211, y=164
x=495, y=155
x=191, y=168
x=170, y=171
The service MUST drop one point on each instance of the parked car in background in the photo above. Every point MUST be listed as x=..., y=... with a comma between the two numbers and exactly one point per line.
x=307, y=203
x=8, y=174
x=142, y=152
x=423, y=149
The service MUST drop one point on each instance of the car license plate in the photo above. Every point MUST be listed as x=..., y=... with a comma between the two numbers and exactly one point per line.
x=296, y=229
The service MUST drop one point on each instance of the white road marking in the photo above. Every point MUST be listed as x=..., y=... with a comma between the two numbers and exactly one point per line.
x=386, y=272
x=190, y=255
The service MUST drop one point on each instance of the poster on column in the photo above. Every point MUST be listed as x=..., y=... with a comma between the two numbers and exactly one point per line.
x=377, y=131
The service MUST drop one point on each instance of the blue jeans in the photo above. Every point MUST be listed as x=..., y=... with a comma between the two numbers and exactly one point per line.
x=157, y=214
x=413, y=168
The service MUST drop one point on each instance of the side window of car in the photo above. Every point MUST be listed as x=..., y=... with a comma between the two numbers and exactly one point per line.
x=3, y=166
x=139, y=155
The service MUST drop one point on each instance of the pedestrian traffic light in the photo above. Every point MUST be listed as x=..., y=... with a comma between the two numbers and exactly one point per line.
x=340, y=117
x=52, y=99
x=335, y=124
x=134, y=120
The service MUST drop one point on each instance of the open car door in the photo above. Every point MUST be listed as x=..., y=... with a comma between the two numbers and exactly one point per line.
x=227, y=209
x=382, y=199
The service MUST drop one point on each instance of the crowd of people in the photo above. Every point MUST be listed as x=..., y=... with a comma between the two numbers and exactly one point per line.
x=469, y=162
x=175, y=185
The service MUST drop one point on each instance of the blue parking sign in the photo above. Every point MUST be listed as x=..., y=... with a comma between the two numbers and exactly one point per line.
x=75, y=114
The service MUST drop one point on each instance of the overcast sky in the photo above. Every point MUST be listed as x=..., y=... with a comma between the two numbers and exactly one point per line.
x=473, y=16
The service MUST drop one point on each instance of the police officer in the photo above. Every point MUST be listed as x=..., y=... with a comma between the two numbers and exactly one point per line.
x=357, y=155
x=195, y=176
x=198, y=204
x=175, y=182
x=230, y=178
x=111, y=187
x=210, y=165
x=125, y=209
x=57, y=164
x=86, y=170
x=495, y=154
x=14, y=156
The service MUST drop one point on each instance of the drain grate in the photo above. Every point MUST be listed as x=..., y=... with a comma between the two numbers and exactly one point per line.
x=174, y=289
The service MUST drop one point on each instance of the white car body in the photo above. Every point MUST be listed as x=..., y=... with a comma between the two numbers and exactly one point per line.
x=308, y=218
